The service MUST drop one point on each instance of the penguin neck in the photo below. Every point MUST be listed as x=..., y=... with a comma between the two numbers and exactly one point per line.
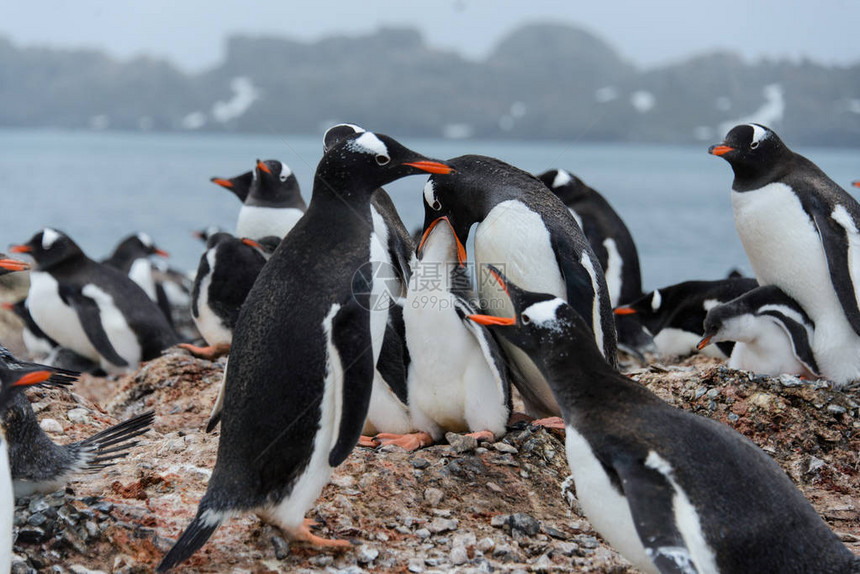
x=581, y=379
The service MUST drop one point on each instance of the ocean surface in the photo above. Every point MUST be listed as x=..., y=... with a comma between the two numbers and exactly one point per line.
x=100, y=186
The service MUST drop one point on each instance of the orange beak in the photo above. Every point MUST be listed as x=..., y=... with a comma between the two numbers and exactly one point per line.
x=490, y=320
x=33, y=378
x=704, y=342
x=431, y=167
x=263, y=167
x=162, y=252
x=20, y=249
x=14, y=265
x=461, y=249
x=856, y=183
x=624, y=311
x=222, y=182
x=252, y=243
x=720, y=149
x=501, y=282
x=7, y=306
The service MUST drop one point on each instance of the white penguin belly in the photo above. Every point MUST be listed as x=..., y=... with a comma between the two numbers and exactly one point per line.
x=258, y=222
x=606, y=509
x=36, y=346
x=210, y=325
x=440, y=352
x=119, y=333
x=513, y=238
x=785, y=250
x=768, y=352
x=671, y=342
x=141, y=273
x=386, y=413
x=55, y=318
x=7, y=507
x=614, y=271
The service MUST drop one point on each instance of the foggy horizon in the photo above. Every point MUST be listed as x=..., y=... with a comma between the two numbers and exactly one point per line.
x=193, y=35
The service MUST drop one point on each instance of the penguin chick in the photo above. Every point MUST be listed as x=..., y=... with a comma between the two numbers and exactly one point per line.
x=39, y=465
x=772, y=333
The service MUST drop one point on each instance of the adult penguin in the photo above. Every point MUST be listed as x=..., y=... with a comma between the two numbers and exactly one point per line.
x=301, y=368
x=672, y=491
x=800, y=232
x=527, y=231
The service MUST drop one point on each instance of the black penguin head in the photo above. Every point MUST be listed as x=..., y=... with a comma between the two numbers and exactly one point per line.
x=274, y=185
x=266, y=246
x=12, y=380
x=754, y=152
x=358, y=161
x=49, y=247
x=239, y=185
x=8, y=265
x=466, y=195
x=565, y=185
x=541, y=323
x=137, y=246
x=205, y=233
x=650, y=309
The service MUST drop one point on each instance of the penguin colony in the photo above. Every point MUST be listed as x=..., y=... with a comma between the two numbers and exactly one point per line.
x=342, y=330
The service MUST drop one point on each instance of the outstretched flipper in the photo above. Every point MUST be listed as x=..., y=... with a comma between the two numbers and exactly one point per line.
x=89, y=316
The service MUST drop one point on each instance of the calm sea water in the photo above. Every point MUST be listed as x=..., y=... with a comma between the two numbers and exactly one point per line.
x=101, y=186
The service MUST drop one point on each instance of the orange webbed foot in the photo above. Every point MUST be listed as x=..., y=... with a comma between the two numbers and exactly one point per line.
x=304, y=534
x=556, y=423
x=211, y=352
x=482, y=436
x=411, y=441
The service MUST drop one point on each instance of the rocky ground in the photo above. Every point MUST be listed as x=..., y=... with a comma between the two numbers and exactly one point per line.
x=502, y=507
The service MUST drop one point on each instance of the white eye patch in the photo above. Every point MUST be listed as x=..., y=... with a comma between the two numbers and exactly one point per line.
x=561, y=178
x=49, y=237
x=368, y=143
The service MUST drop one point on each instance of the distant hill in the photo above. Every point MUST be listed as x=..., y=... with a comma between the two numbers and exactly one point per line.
x=543, y=81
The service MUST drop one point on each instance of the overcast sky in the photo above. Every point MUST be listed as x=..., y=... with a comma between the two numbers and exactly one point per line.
x=646, y=32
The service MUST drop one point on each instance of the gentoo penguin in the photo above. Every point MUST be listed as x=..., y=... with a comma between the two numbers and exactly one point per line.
x=90, y=308
x=39, y=465
x=131, y=256
x=457, y=378
x=388, y=412
x=800, y=232
x=11, y=265
x=670, y=490
x=38, y=344
x=613, y=244
x=227, y=271
x=773, y=334
x=271, y=202
x=606, y=232
x=45, y=349
x=528, y=231
x=301, y=367
x=11, y=380
x=675, y=314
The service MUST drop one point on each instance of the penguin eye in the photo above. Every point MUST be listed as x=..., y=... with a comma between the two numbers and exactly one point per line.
x=525, y=319
x=753, y=145
x=436, y=205
x=382, y=159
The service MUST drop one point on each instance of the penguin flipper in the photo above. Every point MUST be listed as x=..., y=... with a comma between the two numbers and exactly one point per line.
x=650, y=497
x=91, y=322
x=393, y=358
x=351, y=338
x=836, y=240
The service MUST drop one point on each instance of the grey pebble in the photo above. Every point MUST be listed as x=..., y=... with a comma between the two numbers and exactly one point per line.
x=439, y=524
x=504, y=447
x=416, y=565
x=433, y=496
x=460, y=442
x=459, y=555
x=282, y=549
x=367, y=554
x=422, y=533
x=525, y=524
x=420, y=462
